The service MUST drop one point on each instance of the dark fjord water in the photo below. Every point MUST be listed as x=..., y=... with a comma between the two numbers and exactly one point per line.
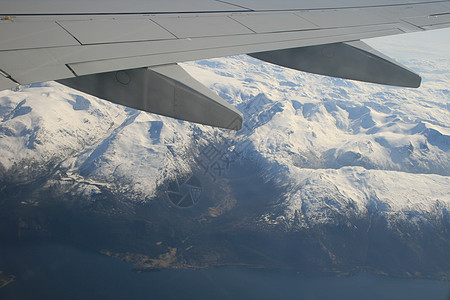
x=53, y=271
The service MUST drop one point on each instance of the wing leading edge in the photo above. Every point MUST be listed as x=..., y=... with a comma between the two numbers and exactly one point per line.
x=96, y=47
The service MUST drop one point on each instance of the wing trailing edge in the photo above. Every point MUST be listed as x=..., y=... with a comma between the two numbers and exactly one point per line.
x=166, y=90
x=351, y=60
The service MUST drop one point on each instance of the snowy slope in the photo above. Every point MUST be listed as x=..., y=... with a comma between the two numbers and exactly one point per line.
x=340, y=146
x=337, y=147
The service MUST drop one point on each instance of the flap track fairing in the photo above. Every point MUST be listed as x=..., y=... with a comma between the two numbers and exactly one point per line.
x=166, y=90
x=352, y=60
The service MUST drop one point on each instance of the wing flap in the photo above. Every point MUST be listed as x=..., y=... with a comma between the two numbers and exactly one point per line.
x=166, y=90
x=115, y=30
x=344, y=18
x=201, y=26
x=25, y=35
x=25, y=66
x=354, y=60
x=279, y=22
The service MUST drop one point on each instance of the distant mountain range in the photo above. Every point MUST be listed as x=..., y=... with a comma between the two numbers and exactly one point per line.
x=356, y=176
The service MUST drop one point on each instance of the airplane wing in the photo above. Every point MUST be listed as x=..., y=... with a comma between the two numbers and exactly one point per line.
x=127, y=51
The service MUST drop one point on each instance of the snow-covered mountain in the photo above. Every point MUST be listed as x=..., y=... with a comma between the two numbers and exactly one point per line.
x=335, y=145
x=318, y=151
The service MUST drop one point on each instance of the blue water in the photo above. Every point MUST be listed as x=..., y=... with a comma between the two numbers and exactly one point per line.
x=52, y=271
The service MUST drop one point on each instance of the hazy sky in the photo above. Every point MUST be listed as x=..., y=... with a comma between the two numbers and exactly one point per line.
x=435, y=43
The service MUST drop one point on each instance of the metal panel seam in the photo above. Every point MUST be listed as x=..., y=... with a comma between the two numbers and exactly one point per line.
x=68, y=32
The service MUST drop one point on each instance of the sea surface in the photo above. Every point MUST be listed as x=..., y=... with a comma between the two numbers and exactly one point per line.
x=56, y=271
